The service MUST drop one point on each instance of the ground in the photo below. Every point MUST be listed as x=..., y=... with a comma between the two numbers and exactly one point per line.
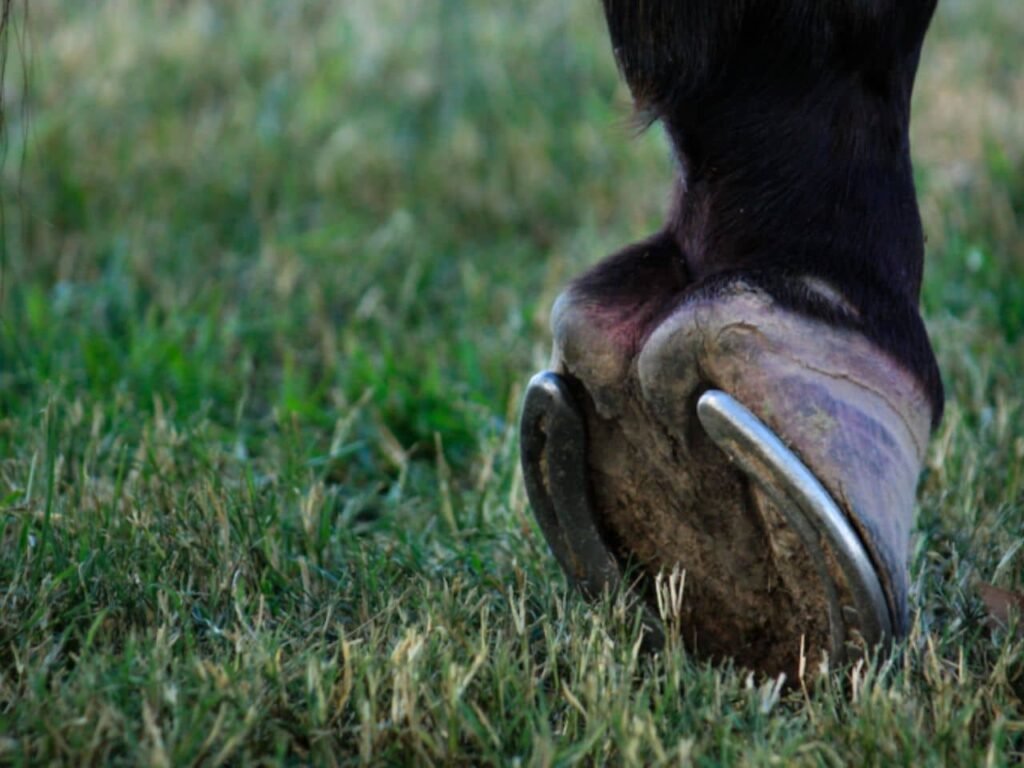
x=275, y=277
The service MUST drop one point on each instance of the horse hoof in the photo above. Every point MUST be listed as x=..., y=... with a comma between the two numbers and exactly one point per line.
x=771, y=457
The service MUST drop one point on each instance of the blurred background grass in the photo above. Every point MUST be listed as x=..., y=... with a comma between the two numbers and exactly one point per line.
x=308, y=201
x=304, y=202
x=275, y=275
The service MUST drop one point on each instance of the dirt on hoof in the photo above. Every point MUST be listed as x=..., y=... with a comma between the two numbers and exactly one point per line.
x=665, y=496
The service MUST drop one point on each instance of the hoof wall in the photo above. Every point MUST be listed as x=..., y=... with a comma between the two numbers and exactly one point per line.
x=812, y=512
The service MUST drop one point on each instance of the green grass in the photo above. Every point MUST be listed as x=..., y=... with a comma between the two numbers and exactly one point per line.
x=276, y=274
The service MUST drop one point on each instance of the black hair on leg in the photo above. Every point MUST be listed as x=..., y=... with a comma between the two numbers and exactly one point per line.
x=790, y=122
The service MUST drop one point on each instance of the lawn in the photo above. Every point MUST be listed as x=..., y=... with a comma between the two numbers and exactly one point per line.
x=275, y=275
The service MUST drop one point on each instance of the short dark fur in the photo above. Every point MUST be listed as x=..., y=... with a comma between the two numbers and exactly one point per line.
x=790, y=122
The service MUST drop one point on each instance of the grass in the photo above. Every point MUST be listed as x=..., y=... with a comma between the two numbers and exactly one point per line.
x=275, y=277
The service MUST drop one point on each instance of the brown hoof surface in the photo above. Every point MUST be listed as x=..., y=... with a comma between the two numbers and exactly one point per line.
x=771, y=457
